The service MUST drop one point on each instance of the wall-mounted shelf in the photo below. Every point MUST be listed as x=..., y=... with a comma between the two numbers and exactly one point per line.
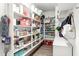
x=26, y=31
x=37, y=20
x=17, y=15
x=32, y=48
x=49, y=30
x=25, y=36
x=16, y=50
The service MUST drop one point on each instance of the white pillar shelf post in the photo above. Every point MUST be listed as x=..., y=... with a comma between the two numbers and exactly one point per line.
x=56, y=20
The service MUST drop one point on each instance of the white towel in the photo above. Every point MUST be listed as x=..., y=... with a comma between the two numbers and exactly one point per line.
x=66, y=29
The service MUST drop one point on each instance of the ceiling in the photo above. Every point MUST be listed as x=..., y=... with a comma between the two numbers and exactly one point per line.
x=51, y=6
x=45, y=6
x=66, y=6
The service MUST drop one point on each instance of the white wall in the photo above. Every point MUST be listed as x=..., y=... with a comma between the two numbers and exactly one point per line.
x=2, y=9
x=76, y=20
x=49, y=13
x=64, y=14
x=2, y=12
x=52, y=14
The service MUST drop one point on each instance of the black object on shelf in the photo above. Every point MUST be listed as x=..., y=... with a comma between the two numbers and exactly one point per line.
x=17, y=22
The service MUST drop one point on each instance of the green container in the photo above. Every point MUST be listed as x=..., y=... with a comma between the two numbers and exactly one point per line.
x=19, y=53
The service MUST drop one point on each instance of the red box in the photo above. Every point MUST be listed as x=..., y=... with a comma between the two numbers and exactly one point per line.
x=48, y=42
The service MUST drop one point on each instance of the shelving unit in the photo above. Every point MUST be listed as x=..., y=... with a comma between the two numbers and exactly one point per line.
x=49, y=32
x=32, y=48
x=27, y=34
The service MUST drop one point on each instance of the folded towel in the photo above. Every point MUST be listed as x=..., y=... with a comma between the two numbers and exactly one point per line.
x=66, y=29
